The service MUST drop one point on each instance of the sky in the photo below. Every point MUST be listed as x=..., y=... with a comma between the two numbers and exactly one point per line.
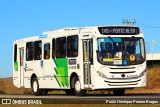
x=26, y=18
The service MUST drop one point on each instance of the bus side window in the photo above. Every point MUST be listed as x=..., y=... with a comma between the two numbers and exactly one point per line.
x=53, y=48
x=15, y=53
x=47, y=51
x=72, y=46
x=61, y=47
x=29, y=51
x=37, y=50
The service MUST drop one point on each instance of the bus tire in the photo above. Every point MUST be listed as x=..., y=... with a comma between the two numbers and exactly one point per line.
x=35, y=87
x=119, y=92
x=77, y=87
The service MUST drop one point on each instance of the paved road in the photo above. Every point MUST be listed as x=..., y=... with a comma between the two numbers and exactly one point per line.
x=140, y=95
x=88, y=99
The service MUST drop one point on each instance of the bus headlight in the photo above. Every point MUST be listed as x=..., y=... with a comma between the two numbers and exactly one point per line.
x=143, y=73
x=101, y=74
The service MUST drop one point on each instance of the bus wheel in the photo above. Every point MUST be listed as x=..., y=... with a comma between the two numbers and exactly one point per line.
x=35, y=87
x=119, y=92
x=77, y=87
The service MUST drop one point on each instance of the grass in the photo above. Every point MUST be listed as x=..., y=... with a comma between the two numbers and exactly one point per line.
x=153, y=78
x=153, y=84
x=6, y=86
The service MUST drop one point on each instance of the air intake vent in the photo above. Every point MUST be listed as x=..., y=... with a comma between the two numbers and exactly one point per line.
x=127, y=72
x=124, y=68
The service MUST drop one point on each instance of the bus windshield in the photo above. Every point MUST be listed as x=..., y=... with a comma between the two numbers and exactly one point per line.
x=121, y=51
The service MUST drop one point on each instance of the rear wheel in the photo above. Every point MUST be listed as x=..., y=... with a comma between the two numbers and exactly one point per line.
x=35, y=87
x=119, y=92
x=77, y=87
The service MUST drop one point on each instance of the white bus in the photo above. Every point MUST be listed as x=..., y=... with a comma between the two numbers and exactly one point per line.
x=79, y=59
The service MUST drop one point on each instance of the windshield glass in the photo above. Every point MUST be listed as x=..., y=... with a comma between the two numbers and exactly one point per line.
x=121, y=51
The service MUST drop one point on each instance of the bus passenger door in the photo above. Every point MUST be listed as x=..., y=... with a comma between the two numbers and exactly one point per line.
x=87, y=61
x=21, y=73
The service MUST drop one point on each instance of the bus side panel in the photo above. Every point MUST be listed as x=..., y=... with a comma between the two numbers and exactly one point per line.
x=15, y=78
x=72, y=67
x=49, y=74
x=33, y=67
x=15, y=73
x=29, y=70
x=61, y=72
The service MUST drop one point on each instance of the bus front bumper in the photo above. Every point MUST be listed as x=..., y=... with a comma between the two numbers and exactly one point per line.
x=102, y=83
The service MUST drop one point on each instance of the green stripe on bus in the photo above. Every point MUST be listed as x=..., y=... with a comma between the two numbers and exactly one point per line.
x=57, y=80
x=16, y=66
x=62, y=71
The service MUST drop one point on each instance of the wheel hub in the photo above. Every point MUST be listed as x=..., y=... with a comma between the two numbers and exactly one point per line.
x=35, y=86
x=77, y=86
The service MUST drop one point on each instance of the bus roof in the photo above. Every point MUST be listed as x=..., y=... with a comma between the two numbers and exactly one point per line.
x=68, y=31
x=81, y=29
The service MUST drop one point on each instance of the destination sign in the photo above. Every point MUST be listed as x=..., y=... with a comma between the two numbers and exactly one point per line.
x=119, y=30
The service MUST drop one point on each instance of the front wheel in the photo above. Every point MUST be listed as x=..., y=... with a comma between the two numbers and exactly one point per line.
x=119, y=92
x=77, y=87
x=35, y=87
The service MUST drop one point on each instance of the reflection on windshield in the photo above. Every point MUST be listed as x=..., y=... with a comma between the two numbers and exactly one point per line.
x=120, y=51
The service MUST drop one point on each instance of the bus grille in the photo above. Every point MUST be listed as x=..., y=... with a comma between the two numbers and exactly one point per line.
x=122, y=83
x=125, y=70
